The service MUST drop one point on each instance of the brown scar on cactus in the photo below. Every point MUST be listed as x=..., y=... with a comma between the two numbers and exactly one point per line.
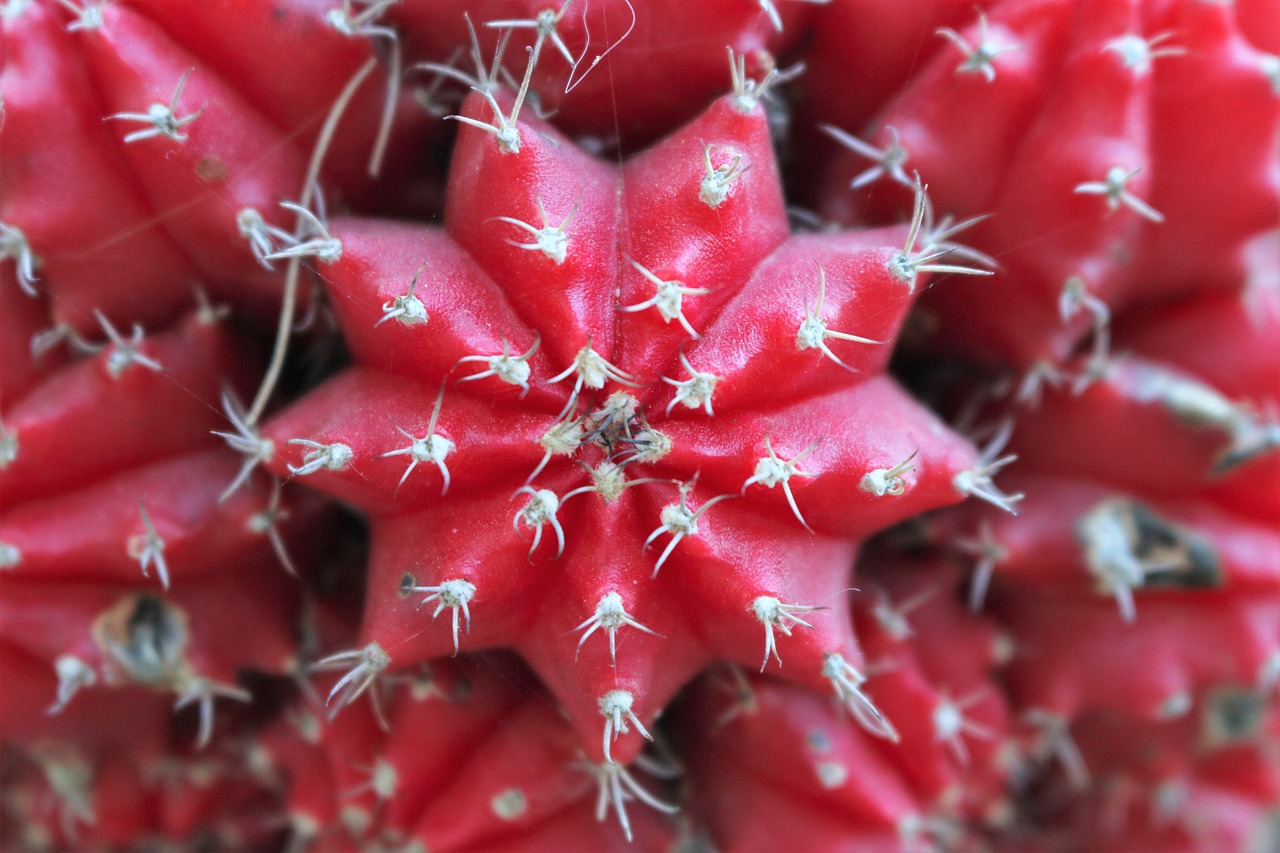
x=144, y=641
x=1127, y=546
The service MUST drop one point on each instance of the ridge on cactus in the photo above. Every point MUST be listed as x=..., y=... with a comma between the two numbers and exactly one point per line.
x=1102, y=156
x=115, y=557
x=155, y=106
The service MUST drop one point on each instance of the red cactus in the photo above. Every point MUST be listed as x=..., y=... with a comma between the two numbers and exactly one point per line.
x=618, y=419
x=774, y=766
x=519, y=294
x=666, y=56
x=196, y=163
x=123, y=555
x=505, y=772
x=1100, y=158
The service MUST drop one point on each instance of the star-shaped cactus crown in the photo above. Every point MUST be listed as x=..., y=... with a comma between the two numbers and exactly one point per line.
x=617, y=417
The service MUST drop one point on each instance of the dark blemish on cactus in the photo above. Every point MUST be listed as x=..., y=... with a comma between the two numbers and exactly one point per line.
x=1232, y=715
x=211, y=170
x=1127, y=546
x=1174, y=556
x=146, y=637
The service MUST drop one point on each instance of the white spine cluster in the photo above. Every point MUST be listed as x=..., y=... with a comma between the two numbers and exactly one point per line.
x=718, y=181
x=431, y=448
x=455, y=594
x=610, y=615
x=813, y=331
x=328, y=457
x=888, y=481
x=616, y=708
x=773, y=471
x=540, y=510
x=772, y=613
x=162, y=118
x=668, y=300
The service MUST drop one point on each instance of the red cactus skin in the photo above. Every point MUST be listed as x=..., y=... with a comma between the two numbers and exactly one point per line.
x=262, y=57
x=938, y=664
x=768, y=759
x=79, y=424
x=480, y=293
x=125, y=555
x=63, y=757
x=1152, y=793
x=1208, y=573
x=105, y=773
x=1242, y=346
x=1229, y=342
x=1191, y=444
x=178, y=195
x=20, y=319
x=505, y=771
x=1172, y=516
x=1223, y=454
x=666, y=57
x=880, y=44
x=786, y=762
x=1075, y=655
x=1193, y=195
x=1182, y=456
